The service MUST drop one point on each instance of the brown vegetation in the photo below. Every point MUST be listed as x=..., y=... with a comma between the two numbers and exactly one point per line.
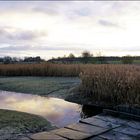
x=43, y=69
x=112, y=84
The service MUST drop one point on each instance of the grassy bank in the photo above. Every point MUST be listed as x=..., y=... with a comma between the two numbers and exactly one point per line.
x=51, y=86
x=15, y=124
x=112, y=84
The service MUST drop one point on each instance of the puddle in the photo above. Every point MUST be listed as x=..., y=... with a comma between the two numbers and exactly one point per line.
x=57, y=111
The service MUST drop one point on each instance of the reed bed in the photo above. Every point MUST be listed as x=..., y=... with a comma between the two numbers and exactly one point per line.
x=106, y=83
x=112, y=84
x=43, y=69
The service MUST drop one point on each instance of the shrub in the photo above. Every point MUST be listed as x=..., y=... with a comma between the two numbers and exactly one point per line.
x=127, y=60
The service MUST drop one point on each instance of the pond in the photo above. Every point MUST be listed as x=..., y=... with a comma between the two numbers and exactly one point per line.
x=57, y=111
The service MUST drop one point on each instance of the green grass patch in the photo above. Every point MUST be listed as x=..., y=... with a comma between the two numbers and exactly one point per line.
x=38, y=85
x=136, y=61
x=14, y=124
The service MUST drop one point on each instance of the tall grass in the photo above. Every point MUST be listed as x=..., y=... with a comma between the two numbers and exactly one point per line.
x=112, y=84
x=44, y=69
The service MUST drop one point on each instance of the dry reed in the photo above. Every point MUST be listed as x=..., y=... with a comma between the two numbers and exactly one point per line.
x=43, y=69
x=112, y=84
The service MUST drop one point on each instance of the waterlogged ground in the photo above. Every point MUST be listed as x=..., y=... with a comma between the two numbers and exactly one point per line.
x=14, y=125
x=51, y=113
x=57, y=111
x=44, y=86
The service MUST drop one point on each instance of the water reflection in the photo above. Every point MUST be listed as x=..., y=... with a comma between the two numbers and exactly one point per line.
x=57, y=111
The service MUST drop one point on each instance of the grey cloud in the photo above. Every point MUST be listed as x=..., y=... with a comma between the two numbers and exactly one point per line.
x=24, y=35
x=48, y=10
x=15, y=48
x=107, y=23
x=84, y=12
x=70, y=10
x=19, y=34
x=36, y=48
x=57, y=48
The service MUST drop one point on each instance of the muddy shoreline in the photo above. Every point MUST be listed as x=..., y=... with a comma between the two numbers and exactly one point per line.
x=14, y=124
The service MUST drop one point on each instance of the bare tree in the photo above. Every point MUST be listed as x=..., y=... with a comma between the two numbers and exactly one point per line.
x=71, y=55
x=86, y=56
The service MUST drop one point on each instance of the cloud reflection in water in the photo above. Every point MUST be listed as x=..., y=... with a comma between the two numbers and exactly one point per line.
x=57, y=111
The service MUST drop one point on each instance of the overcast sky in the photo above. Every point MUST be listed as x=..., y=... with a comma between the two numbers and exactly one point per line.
x=51, y=29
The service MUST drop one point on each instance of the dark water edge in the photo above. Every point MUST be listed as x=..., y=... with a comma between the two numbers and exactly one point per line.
x=89, y=111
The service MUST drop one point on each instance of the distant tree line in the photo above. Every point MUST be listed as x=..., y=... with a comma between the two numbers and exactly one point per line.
x=87, y=57
x=12, y=60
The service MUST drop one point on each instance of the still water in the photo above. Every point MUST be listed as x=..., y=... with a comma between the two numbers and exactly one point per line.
x=57, y=111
